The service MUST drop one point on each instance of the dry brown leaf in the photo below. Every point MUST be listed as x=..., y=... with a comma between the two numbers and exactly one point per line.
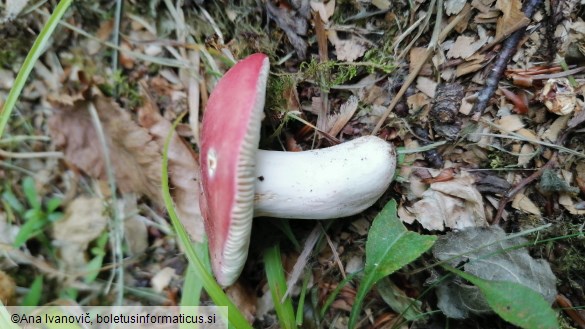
x=453, y=204
x=464, y=47
x=526, y=154
x=566, y=201
x=426, y=86
x=512, y=18
x=244, y=299
x=558, y=96
x=482, y=6
x=336, y=122
x=83, y=222
x=472, y=64
x=135, y=230
x=555, y=129
x=454, y=6
x=135, y=156
x=162, y=278
x=7, y=288
x=325, y=10
x=523, y=203
x=183, y=168
x=510, y=123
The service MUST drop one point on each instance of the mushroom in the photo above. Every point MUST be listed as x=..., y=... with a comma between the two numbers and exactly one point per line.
x=239, y=182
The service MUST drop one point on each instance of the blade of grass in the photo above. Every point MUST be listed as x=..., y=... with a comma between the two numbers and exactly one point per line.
x=33, y=297
x=235, y=317
x=191, y=292
x=331, y=298
x=301, y=306
x=277, y=283
x=30, y=60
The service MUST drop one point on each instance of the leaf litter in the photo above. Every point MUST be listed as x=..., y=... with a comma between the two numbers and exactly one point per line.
x=447, y=195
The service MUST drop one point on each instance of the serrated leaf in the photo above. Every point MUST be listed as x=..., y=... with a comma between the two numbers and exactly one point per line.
x=503, y=296
x=390, y=246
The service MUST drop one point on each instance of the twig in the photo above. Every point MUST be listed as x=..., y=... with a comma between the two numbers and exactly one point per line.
x=508, y=50
x=565, y=304
x=515, y=189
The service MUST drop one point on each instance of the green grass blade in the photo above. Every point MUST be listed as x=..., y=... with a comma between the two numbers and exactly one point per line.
x=331, y=298
x=235, y=317
x=33, y=297
x=514, y=302
x=30, y=60
x=301, y=306
x=277, y=283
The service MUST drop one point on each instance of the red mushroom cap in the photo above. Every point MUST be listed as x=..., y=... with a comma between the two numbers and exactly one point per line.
x=230, y=136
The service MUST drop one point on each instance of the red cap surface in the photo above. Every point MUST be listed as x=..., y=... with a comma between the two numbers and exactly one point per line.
x=230, y=136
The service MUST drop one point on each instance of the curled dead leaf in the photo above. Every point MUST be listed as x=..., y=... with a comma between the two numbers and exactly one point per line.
x=135, y=156
x=82, y=223
x=183, y=168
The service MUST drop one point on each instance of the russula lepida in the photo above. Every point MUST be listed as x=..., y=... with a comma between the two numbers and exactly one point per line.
x=239, y=182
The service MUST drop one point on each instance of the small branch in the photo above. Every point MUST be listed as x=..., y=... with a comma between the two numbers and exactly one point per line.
x=536, y=175
x=497, y=71
x=515, y=189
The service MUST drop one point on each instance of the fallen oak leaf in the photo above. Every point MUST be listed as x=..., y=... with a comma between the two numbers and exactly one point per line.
x=134, y=154
x=183, y=167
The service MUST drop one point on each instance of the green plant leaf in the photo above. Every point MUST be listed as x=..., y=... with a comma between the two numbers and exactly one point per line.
x=409, y=308
x=277, y=283
x=95, y=264
x=390, y=246
x=53, y=204
x=33, y=297
x=13, y=202
x=30, y=192
x=28, y=230
x=514, y=302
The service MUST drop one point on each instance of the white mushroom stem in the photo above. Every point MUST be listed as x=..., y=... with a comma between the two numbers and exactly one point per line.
x=333, y=182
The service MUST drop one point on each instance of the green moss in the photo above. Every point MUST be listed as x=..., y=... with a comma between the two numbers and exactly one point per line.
x=277, y=87
x=123, y=89
x=551, y=183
